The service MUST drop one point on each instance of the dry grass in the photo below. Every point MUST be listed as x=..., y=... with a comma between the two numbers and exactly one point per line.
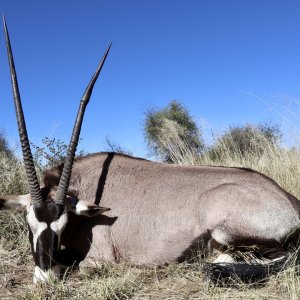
x=124, y=281
x=12, y=175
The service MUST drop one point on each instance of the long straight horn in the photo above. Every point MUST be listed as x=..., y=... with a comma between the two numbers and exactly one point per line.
x=34, y=187
x=66, y=173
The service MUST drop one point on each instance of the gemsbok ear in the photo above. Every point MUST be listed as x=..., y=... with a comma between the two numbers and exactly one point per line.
x=15, y=202
x=84, y=208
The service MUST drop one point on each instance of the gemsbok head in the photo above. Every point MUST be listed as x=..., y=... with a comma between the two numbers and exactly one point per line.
x=159, y=213
x=47, y=208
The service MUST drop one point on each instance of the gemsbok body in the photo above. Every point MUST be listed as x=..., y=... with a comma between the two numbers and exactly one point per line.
x=154, y=213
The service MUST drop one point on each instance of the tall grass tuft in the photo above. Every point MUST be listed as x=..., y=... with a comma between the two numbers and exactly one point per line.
x=12, y=175
x=173, y=141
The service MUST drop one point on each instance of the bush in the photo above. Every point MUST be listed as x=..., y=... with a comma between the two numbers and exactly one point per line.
x=12, y=176
x=113, y=146
x=246, y=140
x=52, y=153
x=171, y=132
x=4, y=148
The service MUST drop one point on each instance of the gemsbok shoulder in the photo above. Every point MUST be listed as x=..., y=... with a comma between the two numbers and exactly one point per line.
x=154, y=213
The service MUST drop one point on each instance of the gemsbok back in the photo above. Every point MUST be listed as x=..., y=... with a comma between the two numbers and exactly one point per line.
x=154, y=213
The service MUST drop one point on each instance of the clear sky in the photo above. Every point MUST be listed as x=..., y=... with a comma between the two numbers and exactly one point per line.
x=229, y=62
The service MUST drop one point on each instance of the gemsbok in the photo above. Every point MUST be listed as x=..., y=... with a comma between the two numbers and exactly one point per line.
x=154, y=213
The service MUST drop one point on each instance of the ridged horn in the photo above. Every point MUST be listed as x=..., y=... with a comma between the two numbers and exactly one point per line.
x=66, y=173
x=34, y=187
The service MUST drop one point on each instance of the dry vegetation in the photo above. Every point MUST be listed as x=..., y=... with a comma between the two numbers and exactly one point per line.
x=123, y=281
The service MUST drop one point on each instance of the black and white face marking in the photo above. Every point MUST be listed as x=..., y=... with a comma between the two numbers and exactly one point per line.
x=46, y=223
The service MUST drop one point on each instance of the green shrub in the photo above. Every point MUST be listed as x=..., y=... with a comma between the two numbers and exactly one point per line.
x=12, y=176
x=4, y=147
x=52, y=152
x=167, y=129
x=245, y=140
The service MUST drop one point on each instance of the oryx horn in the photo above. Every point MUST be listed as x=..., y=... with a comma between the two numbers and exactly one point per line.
x=66, y=173
x=34, y=187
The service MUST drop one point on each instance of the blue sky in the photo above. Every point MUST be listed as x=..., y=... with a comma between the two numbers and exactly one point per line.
x=229, y=62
